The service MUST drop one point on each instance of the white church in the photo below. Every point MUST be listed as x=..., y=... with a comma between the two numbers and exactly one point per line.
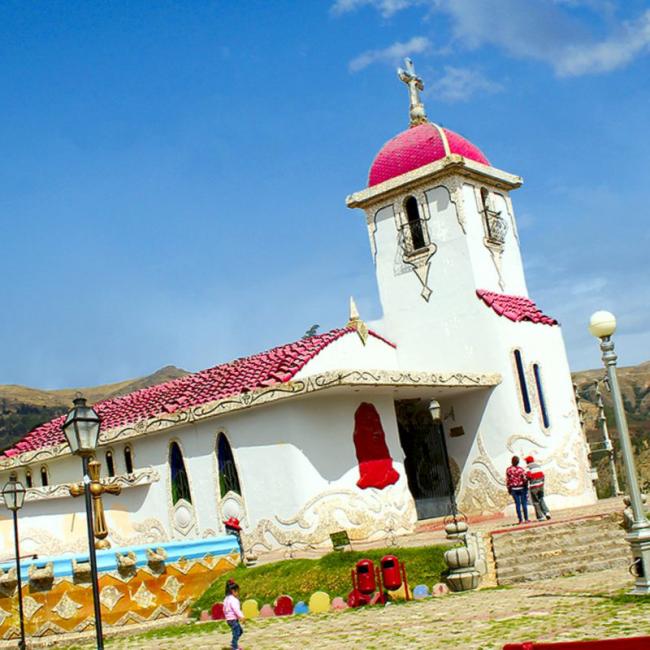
x=367, y=428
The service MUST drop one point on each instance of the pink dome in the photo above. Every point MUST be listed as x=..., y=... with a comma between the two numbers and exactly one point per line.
x=418, y=146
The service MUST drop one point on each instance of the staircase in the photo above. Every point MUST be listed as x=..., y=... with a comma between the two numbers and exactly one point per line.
x=554, y=549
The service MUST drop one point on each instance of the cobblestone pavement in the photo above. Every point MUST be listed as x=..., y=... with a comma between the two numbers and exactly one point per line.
x=576, y=607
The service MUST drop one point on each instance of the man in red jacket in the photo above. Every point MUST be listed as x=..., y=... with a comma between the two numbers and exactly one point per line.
x=536, y=486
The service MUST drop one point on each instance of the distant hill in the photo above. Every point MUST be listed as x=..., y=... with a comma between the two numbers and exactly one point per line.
x=23, y=408
x=635, y=387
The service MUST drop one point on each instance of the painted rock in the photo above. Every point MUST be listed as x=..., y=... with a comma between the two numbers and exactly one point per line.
x=266, y=611
x=301, y=608
x=283, y=606
x=217, y=612
x=319, y=602
x=338, y=604
x=440, y=589
x=250, y=609
x=397, y=594
x=420, y=592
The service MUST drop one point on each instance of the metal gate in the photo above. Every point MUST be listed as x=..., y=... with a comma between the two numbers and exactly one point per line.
x=425, y=462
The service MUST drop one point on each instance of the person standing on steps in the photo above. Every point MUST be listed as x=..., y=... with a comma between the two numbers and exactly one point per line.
x=535, y=478
x=517, y=484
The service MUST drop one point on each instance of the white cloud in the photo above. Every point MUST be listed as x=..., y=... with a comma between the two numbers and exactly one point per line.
x=629, y=41
x=560, y=33
x=385, y=7
x=391, y=54
x=460, y=84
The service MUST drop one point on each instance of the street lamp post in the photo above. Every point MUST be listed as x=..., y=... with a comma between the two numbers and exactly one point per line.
x=609, y=448
x=14, y=497
x=81, y=429
x=603, y=325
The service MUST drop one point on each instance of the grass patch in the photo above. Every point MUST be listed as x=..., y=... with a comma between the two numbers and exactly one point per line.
x=331, y=573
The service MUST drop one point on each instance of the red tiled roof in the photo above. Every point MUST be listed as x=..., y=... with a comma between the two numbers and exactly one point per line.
x=278, y=365
x=516, y=308
x=419, y=146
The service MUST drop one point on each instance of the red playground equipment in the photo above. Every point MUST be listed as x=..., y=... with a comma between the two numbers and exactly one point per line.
x=370, y=582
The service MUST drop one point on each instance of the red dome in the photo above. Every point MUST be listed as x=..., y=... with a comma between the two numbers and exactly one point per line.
x=418, y=146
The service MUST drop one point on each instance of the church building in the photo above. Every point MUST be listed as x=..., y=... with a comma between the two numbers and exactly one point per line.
x=366, y=428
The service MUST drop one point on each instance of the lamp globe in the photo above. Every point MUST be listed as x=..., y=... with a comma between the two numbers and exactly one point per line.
x=602, y=324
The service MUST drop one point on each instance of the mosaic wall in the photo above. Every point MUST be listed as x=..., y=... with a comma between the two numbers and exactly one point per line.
x=129, y=595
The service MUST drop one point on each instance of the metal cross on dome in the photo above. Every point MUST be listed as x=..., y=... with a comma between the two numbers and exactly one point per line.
x=415, y=85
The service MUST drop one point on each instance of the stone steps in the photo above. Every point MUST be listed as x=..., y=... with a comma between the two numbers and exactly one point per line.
x=548, y=543
x=560, y=548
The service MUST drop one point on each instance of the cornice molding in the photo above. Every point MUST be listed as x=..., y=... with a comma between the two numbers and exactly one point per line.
x=267, y=395
x=143, y=476
x=453, y=164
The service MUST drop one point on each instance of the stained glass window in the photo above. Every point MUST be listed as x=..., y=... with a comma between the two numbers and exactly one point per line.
x=180, y=484
x=228, y=477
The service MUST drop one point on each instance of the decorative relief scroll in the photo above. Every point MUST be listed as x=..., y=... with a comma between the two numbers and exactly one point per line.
x=407, y=258
x=566, y=469
x=371, y=220
x=454, y=185
x=496, y=228
x=365, y=514
x=143, y=476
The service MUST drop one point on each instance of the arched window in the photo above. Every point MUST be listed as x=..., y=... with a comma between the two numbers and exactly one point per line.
x=523, y=386
x=45, y=479
x=128, y=459
x=110, y=465
x=495, y=225
x=228, y=477
x=414, y=223
x=28, y=478
x=180, y=484
x=540, y=396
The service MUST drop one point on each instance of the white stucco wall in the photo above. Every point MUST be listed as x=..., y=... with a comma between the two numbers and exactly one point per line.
x=454, y=331
x=287, y=454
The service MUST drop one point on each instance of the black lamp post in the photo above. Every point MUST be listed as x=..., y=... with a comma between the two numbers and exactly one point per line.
x=14, y=495
x=81, y=429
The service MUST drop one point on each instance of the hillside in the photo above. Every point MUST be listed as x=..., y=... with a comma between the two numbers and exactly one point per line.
x=23, y=408
x=635, y=387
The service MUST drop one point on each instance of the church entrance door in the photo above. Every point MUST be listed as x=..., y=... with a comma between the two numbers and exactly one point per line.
x=426, y=462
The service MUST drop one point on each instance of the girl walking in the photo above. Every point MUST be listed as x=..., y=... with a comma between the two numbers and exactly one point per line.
x=233, y=614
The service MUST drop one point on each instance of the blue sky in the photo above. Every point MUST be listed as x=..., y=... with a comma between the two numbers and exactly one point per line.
x=174, y=173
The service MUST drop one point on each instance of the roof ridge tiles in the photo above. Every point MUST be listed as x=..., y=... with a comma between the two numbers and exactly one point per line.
x=515, y=308
x=276, y=365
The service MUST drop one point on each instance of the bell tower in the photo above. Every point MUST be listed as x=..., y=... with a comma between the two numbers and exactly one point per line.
x=441, y=228
x=445, y=246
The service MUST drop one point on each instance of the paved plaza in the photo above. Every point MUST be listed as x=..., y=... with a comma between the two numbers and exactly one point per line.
x=575, y=607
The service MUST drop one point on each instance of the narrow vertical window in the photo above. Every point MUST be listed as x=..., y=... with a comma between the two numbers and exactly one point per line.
x=414, y=223
x=228, y=477
x=180, y=484
x=540, y=396
x=28, y=478
x=110, y=465
x=485, y=199
x=128, y=459
x=523, y=387
x=45, y=479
